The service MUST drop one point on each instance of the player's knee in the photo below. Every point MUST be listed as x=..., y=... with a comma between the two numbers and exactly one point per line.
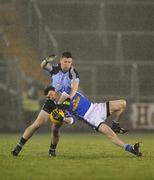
x=123, y=104
x=55, y=130
x=36, y=125
x=113, y=136
x=56, y=133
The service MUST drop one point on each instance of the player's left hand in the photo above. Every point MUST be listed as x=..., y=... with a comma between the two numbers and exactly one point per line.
x=65, y=105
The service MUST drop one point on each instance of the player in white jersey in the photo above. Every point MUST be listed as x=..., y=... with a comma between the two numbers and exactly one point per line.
x=94, y=114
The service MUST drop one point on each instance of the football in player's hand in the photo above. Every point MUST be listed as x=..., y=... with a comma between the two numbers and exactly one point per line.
x=57, y=116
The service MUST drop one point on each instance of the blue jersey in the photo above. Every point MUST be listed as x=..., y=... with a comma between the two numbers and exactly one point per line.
x=79, y=105
x=61, y=80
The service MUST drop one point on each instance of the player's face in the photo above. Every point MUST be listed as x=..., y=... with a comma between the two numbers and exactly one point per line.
x=66, y=63
x=53, y=95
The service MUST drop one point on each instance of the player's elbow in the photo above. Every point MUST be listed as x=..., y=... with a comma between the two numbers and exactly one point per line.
x=42, y=66
x=75, y=85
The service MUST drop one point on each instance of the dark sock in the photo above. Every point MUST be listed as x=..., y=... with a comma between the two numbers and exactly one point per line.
x=53, y=146
x=22, y=141
x=115, y=124
x=18, y=147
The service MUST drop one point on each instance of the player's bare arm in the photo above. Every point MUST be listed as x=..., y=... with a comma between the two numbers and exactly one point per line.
x=74, y=88
x=46, y=63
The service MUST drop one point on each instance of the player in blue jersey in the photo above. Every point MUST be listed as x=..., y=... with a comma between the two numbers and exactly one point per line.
x=95, y=114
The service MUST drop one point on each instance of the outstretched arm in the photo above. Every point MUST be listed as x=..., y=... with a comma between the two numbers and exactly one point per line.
x=46, y=63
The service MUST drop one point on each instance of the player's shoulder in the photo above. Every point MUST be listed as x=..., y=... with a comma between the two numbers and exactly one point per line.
x=73, y=69
x=55, y=68
x=55, y=65
x=73, y=73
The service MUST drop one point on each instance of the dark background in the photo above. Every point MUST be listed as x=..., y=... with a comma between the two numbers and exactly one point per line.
x=111, y=42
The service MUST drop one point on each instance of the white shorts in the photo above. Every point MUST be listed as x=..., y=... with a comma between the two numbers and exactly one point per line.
x=96, y=114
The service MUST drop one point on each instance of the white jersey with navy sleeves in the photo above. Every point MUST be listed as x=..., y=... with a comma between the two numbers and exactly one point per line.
x=61, y=80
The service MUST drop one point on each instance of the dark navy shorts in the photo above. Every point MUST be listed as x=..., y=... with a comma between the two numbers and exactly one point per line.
x=49, y=106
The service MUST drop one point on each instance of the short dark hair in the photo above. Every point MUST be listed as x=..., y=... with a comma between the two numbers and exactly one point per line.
x=47, y=89
x=66, y=54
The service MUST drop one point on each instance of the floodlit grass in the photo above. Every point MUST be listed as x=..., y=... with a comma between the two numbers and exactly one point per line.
x=79, y=156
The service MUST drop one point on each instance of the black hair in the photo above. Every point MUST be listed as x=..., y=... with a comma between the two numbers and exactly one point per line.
x=66, y=54
x=47, y=89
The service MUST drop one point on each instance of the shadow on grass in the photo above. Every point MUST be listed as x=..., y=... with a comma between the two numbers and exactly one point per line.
x=98, y=157
x=75, y=156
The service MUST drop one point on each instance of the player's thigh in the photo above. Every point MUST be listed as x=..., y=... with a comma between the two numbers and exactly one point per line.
x=116, y=105
x=42, y=118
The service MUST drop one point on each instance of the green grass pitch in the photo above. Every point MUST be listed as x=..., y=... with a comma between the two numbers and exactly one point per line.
x=79, y=156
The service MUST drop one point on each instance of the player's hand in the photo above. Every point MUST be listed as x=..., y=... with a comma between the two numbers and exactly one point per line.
x=50, y=58
x=65, y=105
x=57, y=115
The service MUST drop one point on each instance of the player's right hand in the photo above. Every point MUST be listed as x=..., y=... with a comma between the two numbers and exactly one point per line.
x=65, y=105
x=57, y=114
x=50, y=58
